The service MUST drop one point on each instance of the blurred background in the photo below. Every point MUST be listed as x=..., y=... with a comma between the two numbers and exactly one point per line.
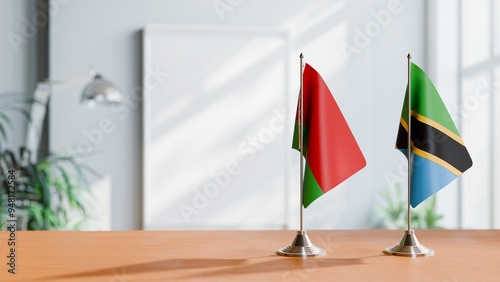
x=202, y=136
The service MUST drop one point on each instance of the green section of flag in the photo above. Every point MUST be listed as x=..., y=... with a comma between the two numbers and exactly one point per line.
x=295, y=141
x=426, y=101
x=313, y=190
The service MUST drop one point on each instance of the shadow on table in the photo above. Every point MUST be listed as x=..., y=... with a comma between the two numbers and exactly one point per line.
x=289, y=267
x=224, y=267
x=121, y=272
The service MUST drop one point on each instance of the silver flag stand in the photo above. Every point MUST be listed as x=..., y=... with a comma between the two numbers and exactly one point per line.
x=301, y=245
x=409, y=245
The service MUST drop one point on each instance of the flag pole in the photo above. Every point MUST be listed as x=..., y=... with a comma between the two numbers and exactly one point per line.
x=301, y=245
x=301, y=141
x=409, y=141
x=409, y=246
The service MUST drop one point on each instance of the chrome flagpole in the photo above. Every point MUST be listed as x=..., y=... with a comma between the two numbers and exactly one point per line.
x=301, y=141
x=301, y=245
x=409, y=245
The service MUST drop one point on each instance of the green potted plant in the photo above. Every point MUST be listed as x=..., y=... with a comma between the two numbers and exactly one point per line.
x=49, y=193
x=392, y=212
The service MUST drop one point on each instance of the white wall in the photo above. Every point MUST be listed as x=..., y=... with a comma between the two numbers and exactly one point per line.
x=468, y=89
x=443, y=67
x=17, y=57
x=368, y=86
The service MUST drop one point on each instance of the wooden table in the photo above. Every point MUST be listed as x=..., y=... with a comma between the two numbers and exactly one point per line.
x=461, y=255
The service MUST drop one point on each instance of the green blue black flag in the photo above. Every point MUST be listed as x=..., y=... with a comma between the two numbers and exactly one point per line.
x=438, y=152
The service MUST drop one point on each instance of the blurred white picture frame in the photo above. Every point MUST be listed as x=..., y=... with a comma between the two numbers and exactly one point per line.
x=216, y=127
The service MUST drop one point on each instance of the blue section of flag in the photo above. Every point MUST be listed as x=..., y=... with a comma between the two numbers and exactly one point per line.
x=427, y=178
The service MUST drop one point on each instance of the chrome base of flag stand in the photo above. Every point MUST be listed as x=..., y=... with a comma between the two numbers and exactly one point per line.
x=301, y=247
x=409, y=247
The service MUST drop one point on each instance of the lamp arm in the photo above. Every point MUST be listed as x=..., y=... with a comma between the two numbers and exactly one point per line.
x=39, y=108
x=71, y=81
x=35, y=126
x=44, y=90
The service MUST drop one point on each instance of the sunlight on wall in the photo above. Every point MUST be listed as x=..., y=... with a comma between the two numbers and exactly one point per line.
x=198, y=160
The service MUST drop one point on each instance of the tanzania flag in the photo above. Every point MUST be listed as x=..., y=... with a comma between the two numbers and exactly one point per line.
x=438, y=152
x=330, y=149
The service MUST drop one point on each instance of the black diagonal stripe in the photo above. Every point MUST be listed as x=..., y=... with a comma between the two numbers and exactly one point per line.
x=435, y=142
x=402, y=138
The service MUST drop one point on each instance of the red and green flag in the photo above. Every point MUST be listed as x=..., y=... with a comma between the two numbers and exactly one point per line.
x=330, y=149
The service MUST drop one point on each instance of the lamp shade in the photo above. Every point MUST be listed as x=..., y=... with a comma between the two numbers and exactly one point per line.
x=102, y=91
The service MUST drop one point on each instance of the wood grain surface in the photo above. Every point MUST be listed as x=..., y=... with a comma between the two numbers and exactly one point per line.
x=353, y=255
